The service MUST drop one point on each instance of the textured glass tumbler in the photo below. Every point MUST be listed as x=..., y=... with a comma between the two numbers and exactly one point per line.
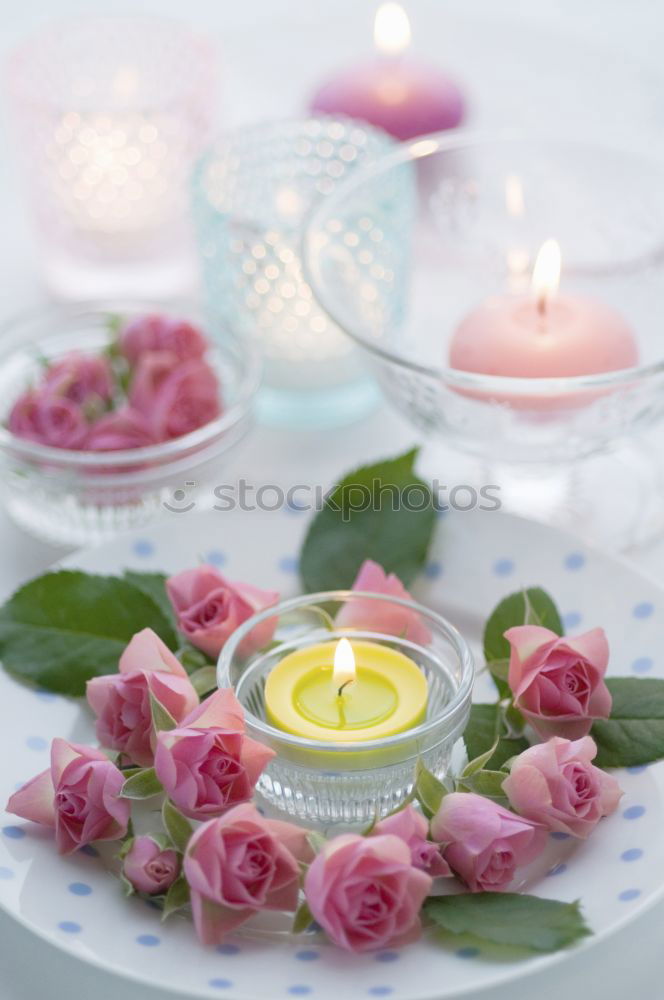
x=252, y=192
x=349, y=784
x=110, y=114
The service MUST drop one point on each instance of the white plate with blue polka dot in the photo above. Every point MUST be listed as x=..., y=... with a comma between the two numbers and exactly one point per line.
x=476, y=559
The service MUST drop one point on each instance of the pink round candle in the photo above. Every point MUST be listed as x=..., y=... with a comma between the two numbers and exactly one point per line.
x=393, y=92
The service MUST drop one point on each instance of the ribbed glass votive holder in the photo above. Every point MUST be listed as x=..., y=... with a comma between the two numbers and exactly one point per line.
x=349, y=783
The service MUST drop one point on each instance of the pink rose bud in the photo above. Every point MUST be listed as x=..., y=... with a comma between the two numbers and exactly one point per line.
x=208, y=764
x=484, y=844
x=175, y=397
x=79, y=795
x=117, y=431
x=149, y=867
x=209, y=608
x=556, y=784
x=161, y=333
x=48, y=419
x=558, y=683
x=410, y=826
x=240, y=864
x=121, y=701
x=389, y=618
x=365, y=893
x=80, y=379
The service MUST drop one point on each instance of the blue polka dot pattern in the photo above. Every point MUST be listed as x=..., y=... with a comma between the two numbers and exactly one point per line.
x=89, y=850
x=80, y=888
x=557, y=869
x=307, y=955
x=148, y=940
x=13, y=832
x=634, y=812
x=380, y=991
x=503, y=567
x=69, y=927
x=633, y=854
x=36, y=743
x=143, y=547
x=572, y=619
x=228, y=949
x=288, y=564
x=46, y=695
x=467, y=952
x=627, y=895
x=433, y=570
x=559, y=835
x=6, y=873
x=637, y=768
x=299, y=990
x=220, y=984
x=215, y=558
x=642, y=665
x=387, y=956
x=575, y=560
x=643, y=610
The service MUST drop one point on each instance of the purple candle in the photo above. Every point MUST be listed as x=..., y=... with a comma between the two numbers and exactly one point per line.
x=393, y=92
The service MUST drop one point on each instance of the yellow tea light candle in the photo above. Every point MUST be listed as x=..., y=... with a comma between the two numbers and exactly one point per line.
x=346, y=692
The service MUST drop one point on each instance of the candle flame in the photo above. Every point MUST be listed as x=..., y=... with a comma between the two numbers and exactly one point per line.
x=546, y=273
x=391, y=29
x=343, y=671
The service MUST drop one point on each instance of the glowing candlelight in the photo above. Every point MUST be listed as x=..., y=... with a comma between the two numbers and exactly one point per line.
x=391, y=29
x=343, y=671
x=546, y=274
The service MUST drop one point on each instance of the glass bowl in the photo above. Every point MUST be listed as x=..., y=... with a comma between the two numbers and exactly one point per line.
x=485, y=206
x=79, y=498
x=351, y=783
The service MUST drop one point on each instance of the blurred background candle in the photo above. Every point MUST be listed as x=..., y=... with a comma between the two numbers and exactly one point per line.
x=393, y=91
x=109, y=113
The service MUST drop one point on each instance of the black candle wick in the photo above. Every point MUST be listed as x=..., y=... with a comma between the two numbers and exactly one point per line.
x=345, y=684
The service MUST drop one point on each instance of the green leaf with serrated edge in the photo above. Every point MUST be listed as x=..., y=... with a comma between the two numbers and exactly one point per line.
x=316, y=841
x=302, y=919
x=486, y=783
x=479, y=762
x=154, y=586
x=204, y=680
x=429, y=791
x=527, y=607
x=507, y=918
x=370, y=515
x=485, y=723
x=634, y=732
x=162, y=720
x=63, y=628
x=177, y=826
x=177, y=896
x=142, y=786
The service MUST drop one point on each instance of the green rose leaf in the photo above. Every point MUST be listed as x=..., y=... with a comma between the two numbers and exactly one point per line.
x=429, y=791
x=154, y=585
x=177, y=826
x=382, y=512
x=634, y=733
x=508, y=918
x=176, y=897
x=143, y=785
x=162, y=720
x=63, y=628
x=204, y=680
x=302, y=919
x=486, y=783
x=487, y=725
x=527, y=607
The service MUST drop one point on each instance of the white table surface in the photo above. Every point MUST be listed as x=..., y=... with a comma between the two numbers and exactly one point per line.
x=278, y=50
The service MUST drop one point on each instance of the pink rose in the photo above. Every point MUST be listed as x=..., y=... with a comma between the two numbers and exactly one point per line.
x=209, y=608
x=175, y=397
x=124, y=428
x=79, y=795
x=410, y=826
x=161, y=333
x=556, y=784
x=80, y=379
x=361, y=612
x=48, y=419
x=208, y=764
x=149, y=867
x=483, y=843
x=121, y=701
x=558, y=683
x=365, y=893
x=239, y=864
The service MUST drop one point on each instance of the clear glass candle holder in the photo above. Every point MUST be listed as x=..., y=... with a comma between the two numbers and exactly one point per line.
x=109, y=114
x=251, y=193
x=351, y=783
x=82, y=497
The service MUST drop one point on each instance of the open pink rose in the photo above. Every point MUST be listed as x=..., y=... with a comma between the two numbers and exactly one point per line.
x=149, y=867
x=209, y=608
x=121, y=701
x=121, y=429
x=410, y=826
x=362, y=612
x=161, y=333
x=557, y=785
x=175, y=397
x=483, y=843
x=79, y=795
x=365, y=893
x=240, y=864
x=208, y=764
x=558, y=683
x=80, y=379
x=41, y=416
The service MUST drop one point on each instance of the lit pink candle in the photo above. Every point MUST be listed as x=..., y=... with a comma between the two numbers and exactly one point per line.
x=393, y=92
x=544, y=335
